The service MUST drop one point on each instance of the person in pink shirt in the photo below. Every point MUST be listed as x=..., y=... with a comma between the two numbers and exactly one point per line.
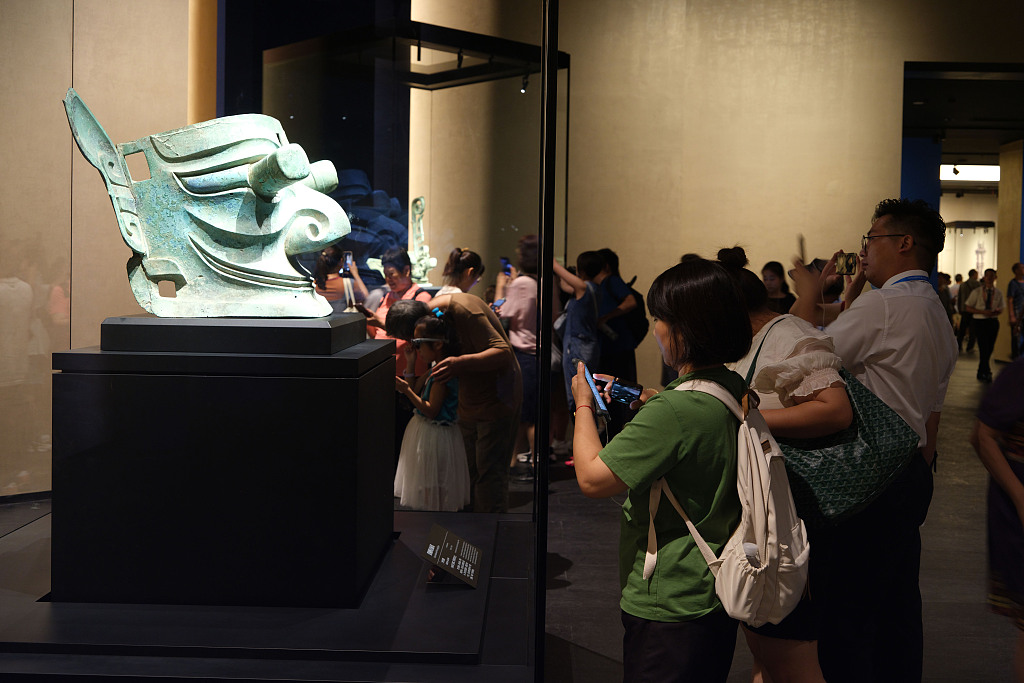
x=517, y=293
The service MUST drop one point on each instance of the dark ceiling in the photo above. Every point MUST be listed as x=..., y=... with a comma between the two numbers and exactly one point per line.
x=971, y=108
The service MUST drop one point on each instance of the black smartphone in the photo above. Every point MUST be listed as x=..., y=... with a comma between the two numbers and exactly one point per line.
x=506, y=265
x=600, y=408
x=624, y=391
x=346, y=260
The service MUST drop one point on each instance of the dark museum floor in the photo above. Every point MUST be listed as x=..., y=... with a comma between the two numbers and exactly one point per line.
x=963, y=641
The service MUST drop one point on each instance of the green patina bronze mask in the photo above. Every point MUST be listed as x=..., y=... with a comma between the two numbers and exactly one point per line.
x=227, y=204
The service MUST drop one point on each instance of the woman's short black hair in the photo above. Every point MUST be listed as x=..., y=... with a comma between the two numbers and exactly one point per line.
x=402, y=316
x=397, y=258
x=589, y=265
x=703, y=307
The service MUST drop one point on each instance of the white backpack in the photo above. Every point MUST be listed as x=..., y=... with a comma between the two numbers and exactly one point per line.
x=761, y=573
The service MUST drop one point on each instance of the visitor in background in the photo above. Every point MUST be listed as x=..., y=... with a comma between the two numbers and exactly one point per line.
x=490, y=387
x=945, y=297
x=966, y=328
x=330, y=281
x=463, y=270
x=614, y=301
x=580, y=335
x=518, y=310
x=780, y=299
x=986, y=304
x=432, y=472
x=398, y=276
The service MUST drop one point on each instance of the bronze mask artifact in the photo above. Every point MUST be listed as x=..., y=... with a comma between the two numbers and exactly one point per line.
x=227, y=203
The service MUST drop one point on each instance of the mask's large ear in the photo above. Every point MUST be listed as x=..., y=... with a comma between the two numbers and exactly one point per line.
x=97, y=148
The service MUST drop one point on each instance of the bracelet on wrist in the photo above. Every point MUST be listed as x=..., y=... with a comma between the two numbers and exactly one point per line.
x=584, y=405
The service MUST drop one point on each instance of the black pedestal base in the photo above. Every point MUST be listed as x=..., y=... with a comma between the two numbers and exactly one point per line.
x=209, y=478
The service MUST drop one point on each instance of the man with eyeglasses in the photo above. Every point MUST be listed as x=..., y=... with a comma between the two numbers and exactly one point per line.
x=897, y=341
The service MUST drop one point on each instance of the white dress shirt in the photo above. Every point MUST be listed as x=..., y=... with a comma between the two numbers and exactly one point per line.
x=977, y=300
x=898, y=342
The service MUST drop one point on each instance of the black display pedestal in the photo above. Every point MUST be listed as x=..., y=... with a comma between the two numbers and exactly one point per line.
x=223, y=462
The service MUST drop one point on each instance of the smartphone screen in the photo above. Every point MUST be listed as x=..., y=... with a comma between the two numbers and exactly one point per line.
x=846, y=264
x=506, y=266
x=599, y=405
x=623, y=391
x=347, y=261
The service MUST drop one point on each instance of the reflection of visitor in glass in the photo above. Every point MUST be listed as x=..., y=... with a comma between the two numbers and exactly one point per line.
x=518, y=313
x=334, y=285
x=432, y=471
x=463, y=270
x=398, y=276
x=15, y=319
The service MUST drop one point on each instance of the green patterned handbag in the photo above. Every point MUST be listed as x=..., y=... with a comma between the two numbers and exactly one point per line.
x=835, y=476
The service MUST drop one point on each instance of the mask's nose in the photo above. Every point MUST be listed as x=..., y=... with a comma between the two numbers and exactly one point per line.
x=289, y=165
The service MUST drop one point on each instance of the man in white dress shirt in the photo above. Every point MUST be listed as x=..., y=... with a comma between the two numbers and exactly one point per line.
x=895, y=339
x=987, y=304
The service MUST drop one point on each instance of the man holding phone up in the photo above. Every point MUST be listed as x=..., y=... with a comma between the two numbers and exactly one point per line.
x=897, y=341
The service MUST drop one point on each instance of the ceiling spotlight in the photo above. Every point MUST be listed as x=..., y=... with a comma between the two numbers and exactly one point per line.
x=956, y=171
x=526, y=82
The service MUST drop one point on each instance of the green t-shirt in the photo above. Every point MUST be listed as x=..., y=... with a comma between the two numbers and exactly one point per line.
x=689, y=438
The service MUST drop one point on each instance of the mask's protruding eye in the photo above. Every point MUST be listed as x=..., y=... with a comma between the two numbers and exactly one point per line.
x=323, y=177
x=278, y=170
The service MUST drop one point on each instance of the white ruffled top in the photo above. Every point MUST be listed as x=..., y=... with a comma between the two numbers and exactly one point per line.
x=796, y=360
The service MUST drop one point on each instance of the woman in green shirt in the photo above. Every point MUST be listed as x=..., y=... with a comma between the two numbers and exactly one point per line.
x=675, y=626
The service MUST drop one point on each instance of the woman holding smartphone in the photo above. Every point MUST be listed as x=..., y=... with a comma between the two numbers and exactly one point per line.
x=675, y=626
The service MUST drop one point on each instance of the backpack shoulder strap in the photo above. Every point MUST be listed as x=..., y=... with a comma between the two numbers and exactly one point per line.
x=651, y=559
x=661, y=486
x=718, y=391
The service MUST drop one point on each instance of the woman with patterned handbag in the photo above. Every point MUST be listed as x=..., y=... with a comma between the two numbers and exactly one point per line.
x=795, y=374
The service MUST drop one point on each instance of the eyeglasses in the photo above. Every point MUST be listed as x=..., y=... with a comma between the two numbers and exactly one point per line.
x=421, y=340
x=864, y=239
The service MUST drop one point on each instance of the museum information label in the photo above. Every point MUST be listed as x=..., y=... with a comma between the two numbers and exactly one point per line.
x=456, y=556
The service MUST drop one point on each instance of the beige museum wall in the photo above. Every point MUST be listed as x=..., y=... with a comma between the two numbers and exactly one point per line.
x=130, y=67
x=127, y=60
x=707, y=123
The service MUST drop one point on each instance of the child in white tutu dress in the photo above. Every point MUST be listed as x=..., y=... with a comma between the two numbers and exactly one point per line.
x=432, y=472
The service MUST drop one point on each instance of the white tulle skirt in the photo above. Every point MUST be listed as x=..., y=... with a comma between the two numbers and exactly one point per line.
x=432, y=472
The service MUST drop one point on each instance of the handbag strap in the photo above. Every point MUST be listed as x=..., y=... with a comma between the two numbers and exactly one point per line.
x=661, y=486
x=753, y=363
